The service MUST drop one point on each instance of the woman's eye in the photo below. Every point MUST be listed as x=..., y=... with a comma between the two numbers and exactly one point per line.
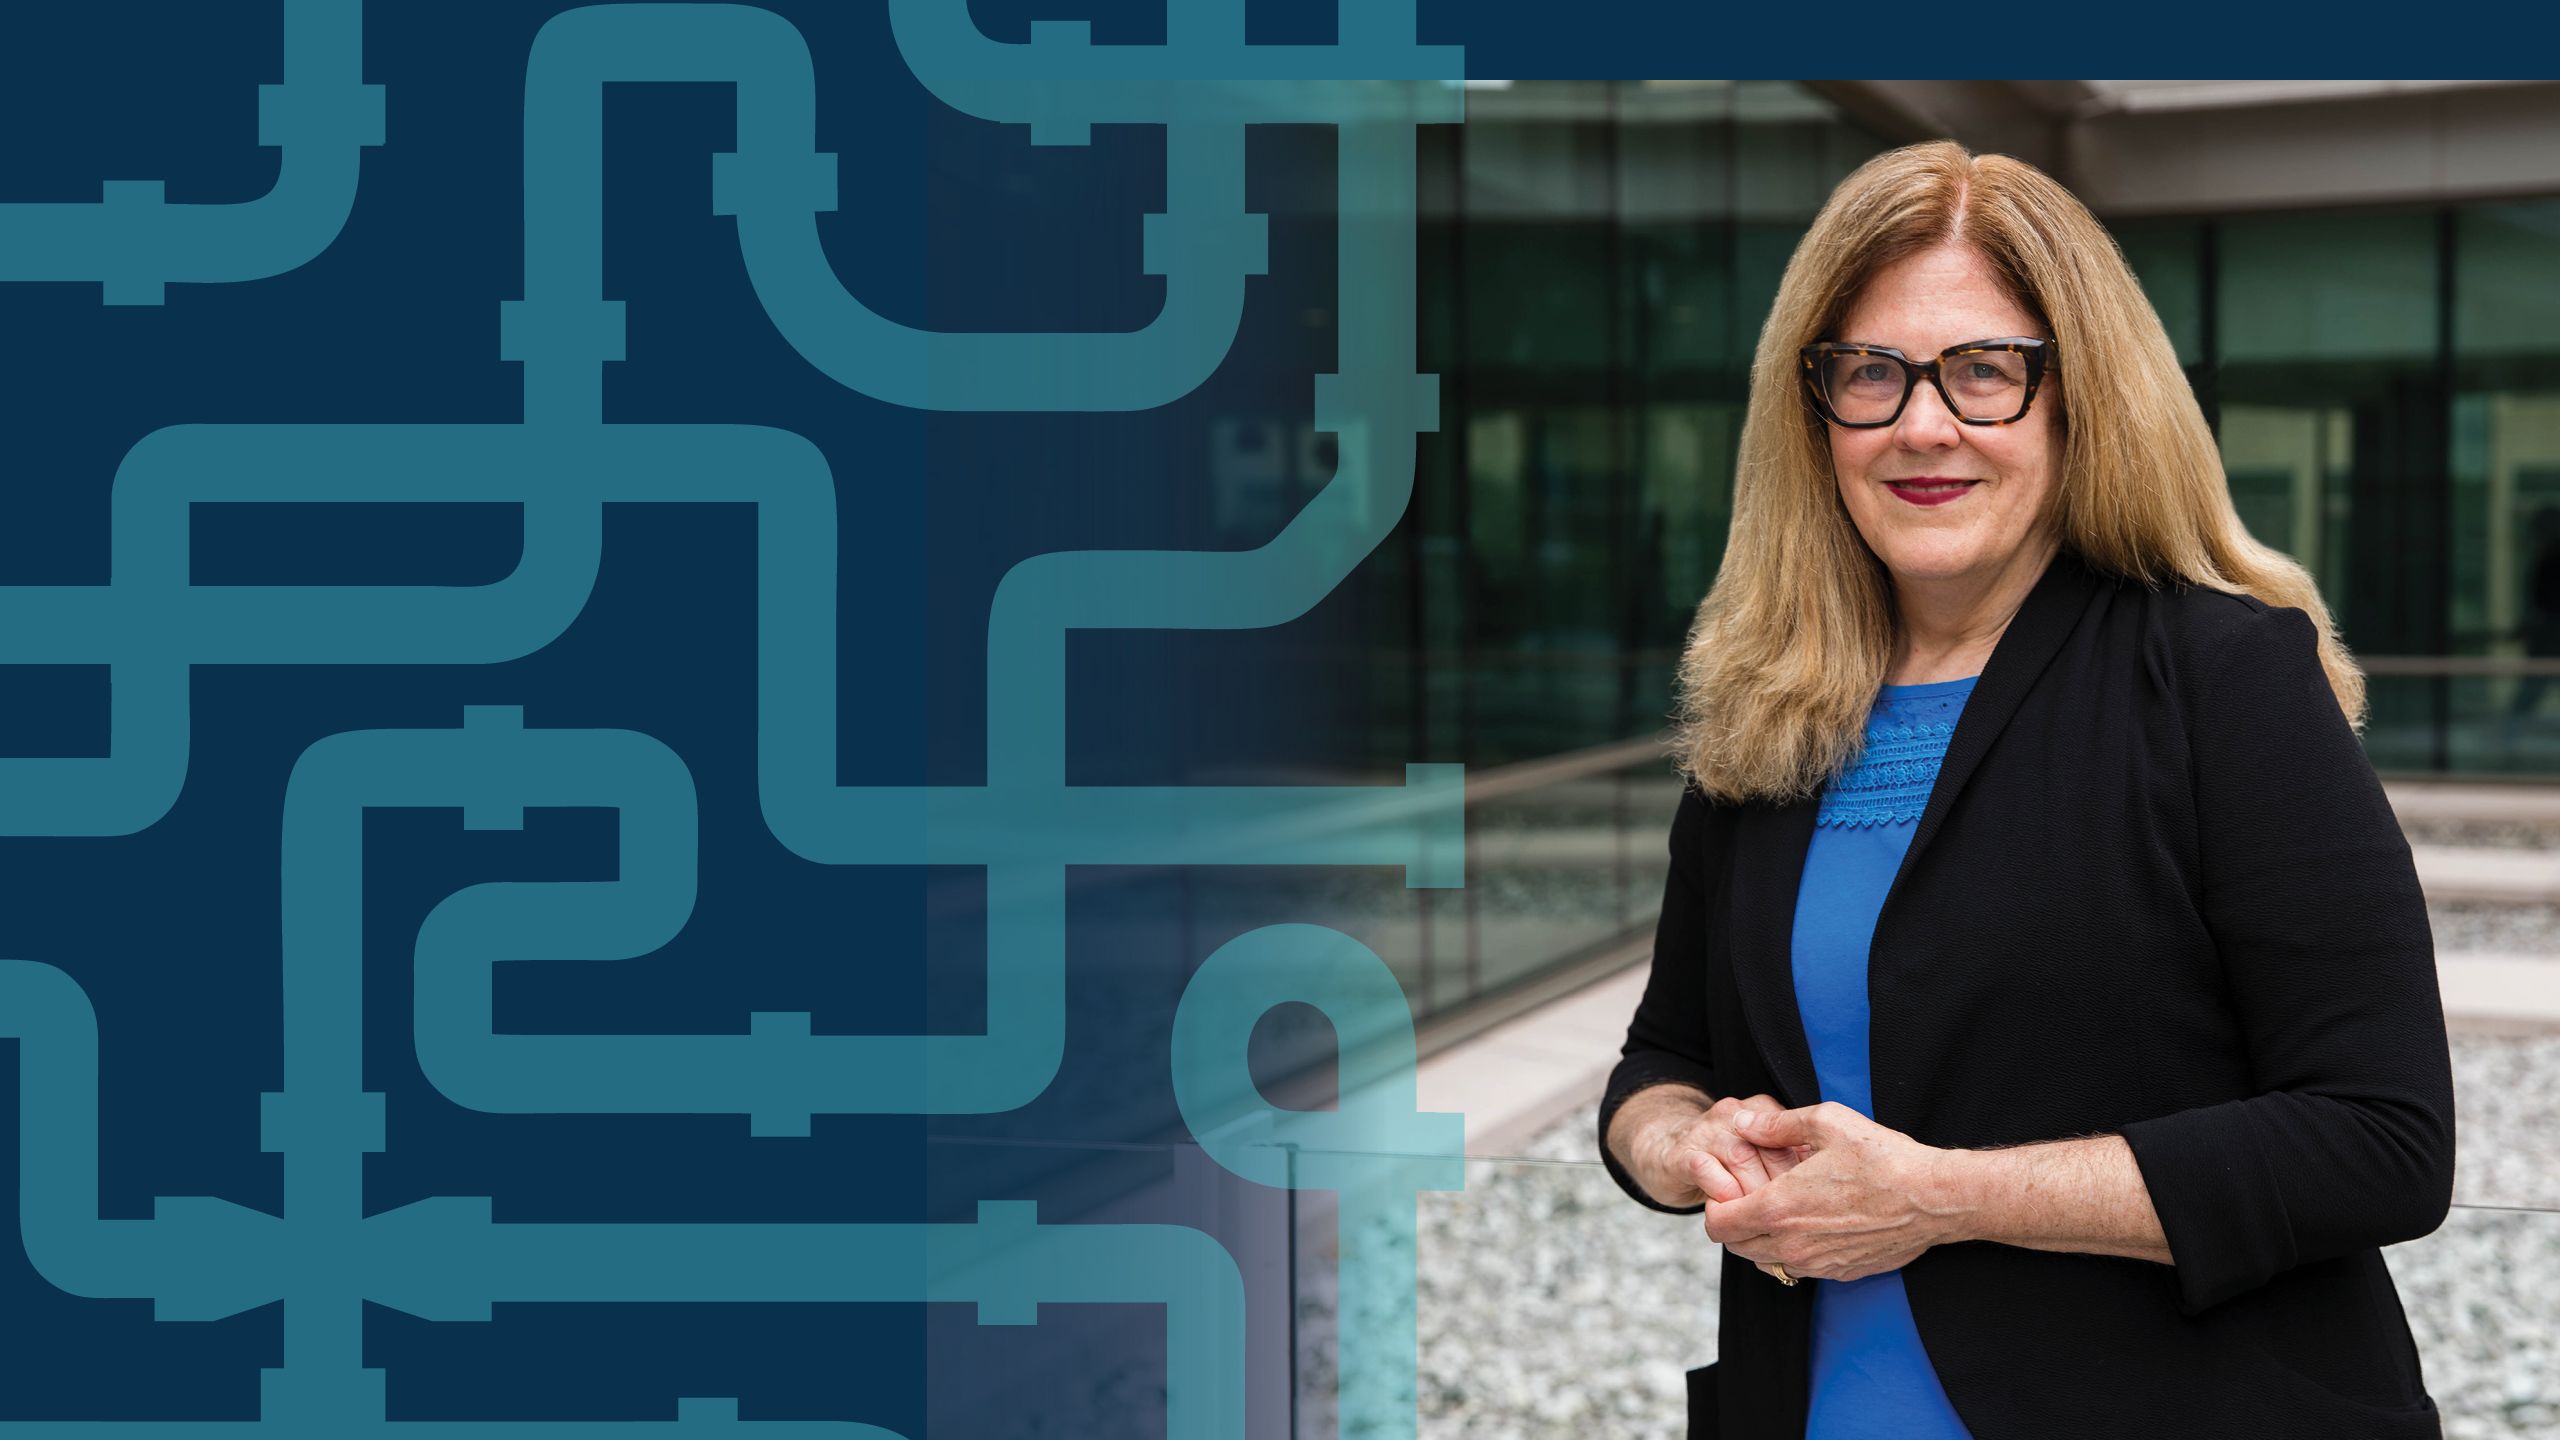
x=1870, y=374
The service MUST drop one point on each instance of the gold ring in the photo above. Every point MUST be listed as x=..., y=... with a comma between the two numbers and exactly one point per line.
x=1781, y=1271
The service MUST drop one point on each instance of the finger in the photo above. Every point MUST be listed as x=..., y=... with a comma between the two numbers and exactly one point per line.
x=1758, y=1249
x=1712, y=1178
x=1747, y=1162
x=1737, y=1217
x=1784, y=1129
x=1761, y=1170
x=1774, y=1160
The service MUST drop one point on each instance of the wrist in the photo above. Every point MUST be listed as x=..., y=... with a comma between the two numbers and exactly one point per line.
x=1654, y=1158
x=1647, y=1130
x=1949, y=1186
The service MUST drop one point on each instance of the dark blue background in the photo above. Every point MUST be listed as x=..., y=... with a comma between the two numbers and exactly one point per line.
x=948, y=222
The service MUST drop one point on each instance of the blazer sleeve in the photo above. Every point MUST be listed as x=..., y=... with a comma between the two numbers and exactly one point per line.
x=1667, y=1040
x=2315, y=909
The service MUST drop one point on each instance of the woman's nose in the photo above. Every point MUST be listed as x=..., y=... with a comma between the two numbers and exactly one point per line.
x=1927, y=423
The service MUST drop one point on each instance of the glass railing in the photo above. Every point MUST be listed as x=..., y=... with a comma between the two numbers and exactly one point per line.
x=1565, y=862
x=1548, y=1303
x=1565, y=858
x=1540, y=1299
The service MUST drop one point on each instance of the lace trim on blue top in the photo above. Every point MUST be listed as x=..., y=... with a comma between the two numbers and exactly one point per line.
x=1907, y=736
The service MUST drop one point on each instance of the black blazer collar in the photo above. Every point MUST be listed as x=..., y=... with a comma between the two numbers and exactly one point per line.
x=1770, y=840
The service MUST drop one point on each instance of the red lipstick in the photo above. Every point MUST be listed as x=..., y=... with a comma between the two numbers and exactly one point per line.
x=1931, y=489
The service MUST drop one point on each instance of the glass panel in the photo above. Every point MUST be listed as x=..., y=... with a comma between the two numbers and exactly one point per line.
x=2506, y=477
x=1545, y=451
x=2483, y=1300
x=2288, y=466
x=1549, y=869
x=1685, y=495
x=1538, y=294
x=1616, y=247
x=1547, y=1304
x=1565, y=869
x=2165, y=256
x=1548, y=579
x=1551, y=1303
x=2335, y=428
x=1649, y=795
x=1683, y=317
x=1676, y=138
x=1790, y=149
x=2334, y=287
x=1539, y=150
x=1596, y=259
x=1691, y=357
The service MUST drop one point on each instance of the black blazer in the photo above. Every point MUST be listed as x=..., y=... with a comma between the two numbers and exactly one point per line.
x=2158, y=892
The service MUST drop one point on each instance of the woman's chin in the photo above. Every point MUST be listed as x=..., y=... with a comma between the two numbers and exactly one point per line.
x=1925, y=564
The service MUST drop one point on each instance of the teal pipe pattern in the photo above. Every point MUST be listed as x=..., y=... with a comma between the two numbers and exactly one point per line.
x=135, y=244
x=202, y=1258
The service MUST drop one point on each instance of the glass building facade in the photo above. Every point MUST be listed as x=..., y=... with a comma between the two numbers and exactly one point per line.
x=1597, y=258
x=2381, y=382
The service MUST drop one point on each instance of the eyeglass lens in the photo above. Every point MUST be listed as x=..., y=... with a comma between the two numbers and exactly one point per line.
x=1983, y=385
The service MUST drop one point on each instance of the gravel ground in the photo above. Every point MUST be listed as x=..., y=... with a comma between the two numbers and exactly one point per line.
x=1542, y=1340
x=2470, y=926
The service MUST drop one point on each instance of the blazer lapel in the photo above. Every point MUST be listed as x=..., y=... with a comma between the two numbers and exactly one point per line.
x=1770, y=841
x=1768, y=865
x=2044, y=620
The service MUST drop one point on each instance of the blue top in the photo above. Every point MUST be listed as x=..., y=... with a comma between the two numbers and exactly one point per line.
x=1872, y=1380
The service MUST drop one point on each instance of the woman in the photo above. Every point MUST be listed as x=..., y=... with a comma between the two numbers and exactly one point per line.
x=2043, y=1010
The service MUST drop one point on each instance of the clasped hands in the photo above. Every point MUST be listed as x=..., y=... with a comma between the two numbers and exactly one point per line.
x=1823, y=1190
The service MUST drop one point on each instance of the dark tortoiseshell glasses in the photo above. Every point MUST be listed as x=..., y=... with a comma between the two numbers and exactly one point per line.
x=1984, y=382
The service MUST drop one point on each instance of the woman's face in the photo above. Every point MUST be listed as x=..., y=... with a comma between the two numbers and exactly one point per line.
x=1921, y=305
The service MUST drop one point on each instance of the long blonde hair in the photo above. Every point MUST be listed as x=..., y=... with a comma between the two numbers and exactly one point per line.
x=1788, y=648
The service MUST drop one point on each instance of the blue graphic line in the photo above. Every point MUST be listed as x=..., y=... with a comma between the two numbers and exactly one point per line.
x=1377, y=1147
x=135, y=243
x=776, y=183
x=151, y=624
x=1061, y=83
x=203, y=1258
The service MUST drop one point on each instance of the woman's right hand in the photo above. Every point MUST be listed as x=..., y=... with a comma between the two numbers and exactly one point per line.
x=1706, y=1159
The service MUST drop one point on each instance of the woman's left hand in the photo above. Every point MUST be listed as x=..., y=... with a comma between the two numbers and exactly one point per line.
x=1862, y=1200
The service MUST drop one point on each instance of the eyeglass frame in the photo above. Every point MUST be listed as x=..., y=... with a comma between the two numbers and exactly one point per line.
x=2039, y=355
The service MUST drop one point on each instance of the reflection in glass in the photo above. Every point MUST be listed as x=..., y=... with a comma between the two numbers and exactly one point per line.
x=2506, y=477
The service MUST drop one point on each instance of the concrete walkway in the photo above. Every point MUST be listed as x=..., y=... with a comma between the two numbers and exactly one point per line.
x=2463, y=800
x=1521, y=1076
x=2480, y=872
